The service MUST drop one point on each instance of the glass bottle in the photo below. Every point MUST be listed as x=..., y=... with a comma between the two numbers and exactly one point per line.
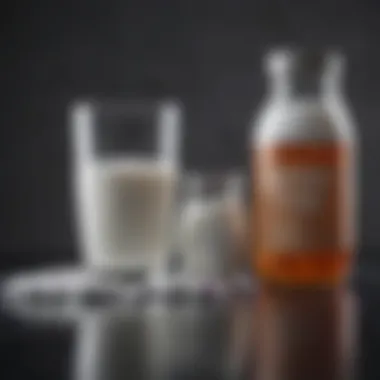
x=304, y=149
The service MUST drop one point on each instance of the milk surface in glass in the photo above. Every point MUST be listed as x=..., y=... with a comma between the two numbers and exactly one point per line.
x=126, y=206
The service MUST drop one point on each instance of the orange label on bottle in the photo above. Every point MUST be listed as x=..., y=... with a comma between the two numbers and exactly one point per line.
x=303, y=198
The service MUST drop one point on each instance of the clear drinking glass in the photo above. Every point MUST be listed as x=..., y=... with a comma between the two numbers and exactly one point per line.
x=126, y=163
x=213, y=227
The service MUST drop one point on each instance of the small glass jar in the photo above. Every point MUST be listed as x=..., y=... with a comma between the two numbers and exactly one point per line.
x=212, y=227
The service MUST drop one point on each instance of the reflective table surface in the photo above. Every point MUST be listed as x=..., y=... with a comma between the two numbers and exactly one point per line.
x=263, y=334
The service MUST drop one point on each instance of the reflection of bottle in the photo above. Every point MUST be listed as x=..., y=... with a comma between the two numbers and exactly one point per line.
x=304, y=153
x=305, y=335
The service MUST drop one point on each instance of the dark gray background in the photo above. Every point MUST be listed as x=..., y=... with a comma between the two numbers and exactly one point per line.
x=206, y=53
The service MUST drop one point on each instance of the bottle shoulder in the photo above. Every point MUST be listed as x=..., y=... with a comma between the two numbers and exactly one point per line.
x=292, y=121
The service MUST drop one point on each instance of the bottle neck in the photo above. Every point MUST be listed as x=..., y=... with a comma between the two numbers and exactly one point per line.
x=300, y=85
x=303, y=75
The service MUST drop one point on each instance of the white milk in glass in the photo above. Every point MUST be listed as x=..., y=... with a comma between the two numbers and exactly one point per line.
x=126, y=209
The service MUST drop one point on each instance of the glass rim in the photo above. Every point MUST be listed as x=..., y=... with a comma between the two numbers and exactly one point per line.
x=125, y=104
x=210, y=184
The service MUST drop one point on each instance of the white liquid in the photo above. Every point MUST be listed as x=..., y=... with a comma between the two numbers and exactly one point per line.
x=205, y=240
x=125, y=211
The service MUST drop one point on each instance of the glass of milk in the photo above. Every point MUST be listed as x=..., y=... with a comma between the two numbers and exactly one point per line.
x=125, y=169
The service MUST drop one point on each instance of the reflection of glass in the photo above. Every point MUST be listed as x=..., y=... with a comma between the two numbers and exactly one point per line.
x=305, y=335
x=241, y=339
x=162, y=342
x=213, y=226
x=125, y=171
x=188, y=342
x=110, y=346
